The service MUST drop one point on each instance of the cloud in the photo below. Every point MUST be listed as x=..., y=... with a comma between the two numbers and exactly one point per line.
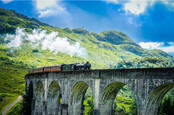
x=50, y=12
x=46, y=40
x=171, y=43
x=135, y=6
x=134, y=22
x=6, y=1
x=47, y=8
x=138, y=7
x=42, y=4
x=112, y=1
x=151, y=45
x=169, y=48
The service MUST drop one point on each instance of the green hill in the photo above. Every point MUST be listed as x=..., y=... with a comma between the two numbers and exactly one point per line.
x=108, y=49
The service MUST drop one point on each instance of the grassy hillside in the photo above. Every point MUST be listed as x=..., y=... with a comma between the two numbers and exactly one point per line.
x=16, y=109
x=107, y=49
x=6, y=99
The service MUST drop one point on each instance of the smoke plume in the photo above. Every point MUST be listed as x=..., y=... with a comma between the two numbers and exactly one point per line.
x=47, y=40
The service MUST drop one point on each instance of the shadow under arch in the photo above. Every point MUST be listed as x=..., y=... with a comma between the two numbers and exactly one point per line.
x=77, y=97
x=39, y=99
x=108, y=98
x=54, y=99
x=28, y=98
x=155, y=98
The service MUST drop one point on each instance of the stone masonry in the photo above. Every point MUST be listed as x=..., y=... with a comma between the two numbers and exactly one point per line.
x=45, y=90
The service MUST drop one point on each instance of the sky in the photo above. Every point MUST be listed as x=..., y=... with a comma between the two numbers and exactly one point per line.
x=147, y=22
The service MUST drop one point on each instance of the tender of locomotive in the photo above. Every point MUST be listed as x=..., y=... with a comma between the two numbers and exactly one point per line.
x=63, y=67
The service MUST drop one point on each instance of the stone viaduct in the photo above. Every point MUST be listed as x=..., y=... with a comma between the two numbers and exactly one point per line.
x=44, y=90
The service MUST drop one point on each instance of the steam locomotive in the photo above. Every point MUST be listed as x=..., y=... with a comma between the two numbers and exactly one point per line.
x=62, y=67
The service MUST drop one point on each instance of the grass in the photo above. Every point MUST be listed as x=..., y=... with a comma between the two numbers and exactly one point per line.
x=12, y=77
x=126, y=102
x=103, y=52
x=87, y=107
x=16, y=109
x=6, y=99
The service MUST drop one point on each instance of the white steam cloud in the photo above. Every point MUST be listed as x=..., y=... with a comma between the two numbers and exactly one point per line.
x=47, y=40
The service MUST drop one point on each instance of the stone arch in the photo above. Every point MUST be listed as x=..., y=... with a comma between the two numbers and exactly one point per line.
x=53, y=99
x=39, y=90
x=39, y=99
x=155, y=98
x=108, y=96
x=50, y=81
x=76, y=98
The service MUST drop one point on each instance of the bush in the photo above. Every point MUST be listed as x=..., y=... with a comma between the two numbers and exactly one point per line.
x=35, y=50
x=80, y=31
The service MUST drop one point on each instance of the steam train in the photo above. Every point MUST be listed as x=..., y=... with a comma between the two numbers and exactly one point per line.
x=62, y=67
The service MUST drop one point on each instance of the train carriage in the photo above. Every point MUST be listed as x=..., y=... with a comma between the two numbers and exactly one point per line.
x=36, y=70
x=62, y=67
x=52, y=68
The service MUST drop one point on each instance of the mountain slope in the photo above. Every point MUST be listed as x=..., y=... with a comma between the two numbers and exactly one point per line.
x=104, y=50
x=20, y=51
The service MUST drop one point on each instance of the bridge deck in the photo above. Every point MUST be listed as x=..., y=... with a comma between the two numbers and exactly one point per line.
x=112, y=70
